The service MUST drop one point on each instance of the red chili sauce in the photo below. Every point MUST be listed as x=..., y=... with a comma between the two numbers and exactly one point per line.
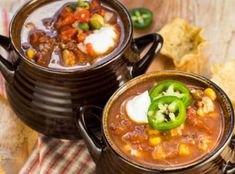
x=195, y=138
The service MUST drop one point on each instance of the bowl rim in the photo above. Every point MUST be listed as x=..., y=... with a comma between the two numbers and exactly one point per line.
x=102, y=63
x=197, y=163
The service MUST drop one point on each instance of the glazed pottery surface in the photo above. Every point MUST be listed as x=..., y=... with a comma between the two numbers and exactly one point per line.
x=45, y=99
x=110, y=160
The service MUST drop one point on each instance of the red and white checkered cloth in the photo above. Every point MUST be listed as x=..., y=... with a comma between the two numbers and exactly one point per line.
x=52, y=156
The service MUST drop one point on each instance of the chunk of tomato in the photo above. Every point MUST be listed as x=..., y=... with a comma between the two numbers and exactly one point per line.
x=82, y=15
x=90, y=50
x=65, y=18
x=95, y=4
x=68, y=34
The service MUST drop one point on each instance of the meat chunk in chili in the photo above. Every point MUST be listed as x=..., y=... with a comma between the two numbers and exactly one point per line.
x=44, y=46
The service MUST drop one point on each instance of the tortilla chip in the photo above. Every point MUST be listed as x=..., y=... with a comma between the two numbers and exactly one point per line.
x=1, y=170
x=182, y=41
x=197, y=65
x=233, y=102
x=224, y=76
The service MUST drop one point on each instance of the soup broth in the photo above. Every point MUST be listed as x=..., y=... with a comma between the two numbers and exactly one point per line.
x=143, y=143
x=72, y=34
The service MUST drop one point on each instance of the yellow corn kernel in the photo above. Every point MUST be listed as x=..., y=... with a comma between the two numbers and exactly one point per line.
x=210, y=93
x=155, y=141
x=200, y=112
x=30, y=53
x=153, y=132
x=127, y=147
x=193, y=142
x=184, y=149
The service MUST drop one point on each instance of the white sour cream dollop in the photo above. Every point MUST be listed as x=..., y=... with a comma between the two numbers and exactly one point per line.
x=102, y=40
x=137, y=107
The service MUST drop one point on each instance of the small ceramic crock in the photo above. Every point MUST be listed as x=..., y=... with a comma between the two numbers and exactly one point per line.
x=45, y=99
x=109, y=159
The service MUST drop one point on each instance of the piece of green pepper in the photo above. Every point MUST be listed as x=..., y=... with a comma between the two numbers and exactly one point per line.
x=83, y=4
x=141, y=17
x=72, y=7
x=166, y=113
x=83, y=26
x=171, y=88
x=97, y=21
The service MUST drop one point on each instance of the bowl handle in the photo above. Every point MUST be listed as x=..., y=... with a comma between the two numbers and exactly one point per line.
x=7, y=68
x=228, y=166
x=93, y=141
x=138, y=46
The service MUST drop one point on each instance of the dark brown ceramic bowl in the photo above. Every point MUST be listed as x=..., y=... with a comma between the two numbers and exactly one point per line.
x=45, y=99
x=110, y=160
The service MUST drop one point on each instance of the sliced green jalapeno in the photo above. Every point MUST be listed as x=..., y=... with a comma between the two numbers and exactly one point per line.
x=166, y=113
x=141, y=17
x=171, y=88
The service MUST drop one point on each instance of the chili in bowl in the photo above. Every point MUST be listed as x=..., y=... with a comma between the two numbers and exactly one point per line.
x=168, y=121
x=78, y=34
x=66, y=53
